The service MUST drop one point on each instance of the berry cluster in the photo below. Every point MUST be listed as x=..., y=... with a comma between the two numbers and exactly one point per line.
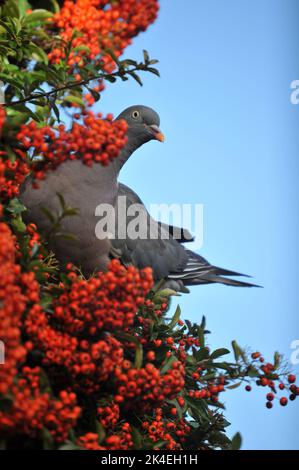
x=12, y=173
x=106, y=302
x=122, y=440
x=89, y=309
x=109, y=415
x=97, y=140
x=166, y=430
x=268, y=377
x=12, y=306
x=13, y=170
x=211, y=390
x=100, y=25
x=145, y=386
x=32, y=410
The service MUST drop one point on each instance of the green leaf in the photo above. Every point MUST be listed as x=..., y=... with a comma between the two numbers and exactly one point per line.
x=219, y=352
x=219, y=439
x=95, y=94
x=11, y=9
x=15, y=206
x=46, y=301
x=56, y=6
x=127, y=62
x=48, y=214
x=38, y=53
x=163, y=295
x=222, y=365
x=23, y=6
x=236, y=442
x=253, y=372
x=110, y=78
x=175, y=318
x=69, y=446
x=113, y=56
x=47, y=439
x=201, y=336
x=136, y=437
x=233, y=386
x=167, y=364
x=277, y=360
x=69, y=211
x=135, y=76
x=74, y=99
x=153, y=70
x=34, y=250
x=12, y=81
x=61, y=200
x=38, y=15
x=18, y=224
x=145, y=56
x=139, y=348
x=236, y=349
x=100, y=431
x=24, y=109
x=65, y=236
x=55, y=109
x=201, y=354
x=82, y=47
x=10, y=28
x=198, y=409
x=175, y=404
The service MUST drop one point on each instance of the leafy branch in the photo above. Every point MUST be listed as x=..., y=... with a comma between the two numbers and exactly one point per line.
x=125, y=67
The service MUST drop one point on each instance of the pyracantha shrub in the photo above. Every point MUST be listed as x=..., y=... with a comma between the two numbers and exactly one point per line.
x=98, y=363
x=100, y=25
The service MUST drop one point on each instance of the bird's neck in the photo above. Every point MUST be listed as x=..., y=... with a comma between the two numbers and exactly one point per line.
x=132, y=144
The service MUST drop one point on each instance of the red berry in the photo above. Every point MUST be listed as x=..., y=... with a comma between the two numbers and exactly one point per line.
x=293, y=388
x=283, y=401
x=150, y=356
x=248, y=388
x=269, y=405
x=291, y=378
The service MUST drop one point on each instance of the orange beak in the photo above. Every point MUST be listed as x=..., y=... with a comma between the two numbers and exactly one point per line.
x=158, y=135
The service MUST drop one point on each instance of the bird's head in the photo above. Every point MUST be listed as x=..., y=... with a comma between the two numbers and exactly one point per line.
x=143, y=123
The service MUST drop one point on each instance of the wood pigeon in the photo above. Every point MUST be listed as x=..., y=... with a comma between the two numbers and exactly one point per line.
x=85, y=188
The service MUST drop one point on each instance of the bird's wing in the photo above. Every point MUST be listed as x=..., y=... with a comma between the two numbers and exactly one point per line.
x=165, y=254
x=157, y=248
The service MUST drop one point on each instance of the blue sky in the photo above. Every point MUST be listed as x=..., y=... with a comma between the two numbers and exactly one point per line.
x=232, y=144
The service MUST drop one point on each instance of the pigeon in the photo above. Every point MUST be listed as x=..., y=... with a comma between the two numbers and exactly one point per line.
x=86, y=188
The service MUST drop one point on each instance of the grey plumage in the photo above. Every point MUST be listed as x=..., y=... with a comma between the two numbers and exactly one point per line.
x=85, y=188
x=167, y=256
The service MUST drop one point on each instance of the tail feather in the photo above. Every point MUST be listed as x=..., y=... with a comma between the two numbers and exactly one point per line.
x=228, y=272
x=214, y=279
x=199, y=271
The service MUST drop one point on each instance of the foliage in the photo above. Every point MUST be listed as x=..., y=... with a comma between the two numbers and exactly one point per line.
x=97, y=363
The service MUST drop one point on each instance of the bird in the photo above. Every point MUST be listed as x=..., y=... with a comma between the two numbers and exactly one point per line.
x=86, y=188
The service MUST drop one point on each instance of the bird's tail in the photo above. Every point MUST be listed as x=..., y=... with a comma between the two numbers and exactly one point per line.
x=199, y=271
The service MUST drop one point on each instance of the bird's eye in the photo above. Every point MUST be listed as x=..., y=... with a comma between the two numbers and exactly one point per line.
x=135, y=114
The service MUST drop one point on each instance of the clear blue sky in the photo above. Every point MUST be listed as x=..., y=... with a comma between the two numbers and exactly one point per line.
x=232, y=143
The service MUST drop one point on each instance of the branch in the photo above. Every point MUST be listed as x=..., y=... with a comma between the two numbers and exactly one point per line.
x=119, y=73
